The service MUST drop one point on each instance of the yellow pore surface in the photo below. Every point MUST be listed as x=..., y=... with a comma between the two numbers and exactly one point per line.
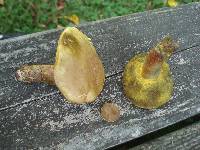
x=146, y=93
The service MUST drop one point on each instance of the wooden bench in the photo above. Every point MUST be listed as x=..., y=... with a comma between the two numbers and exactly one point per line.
x=38, y=117
x=187, y=138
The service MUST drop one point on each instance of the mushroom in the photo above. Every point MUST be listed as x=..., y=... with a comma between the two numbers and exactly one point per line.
x=78, y=71
x=146, y=79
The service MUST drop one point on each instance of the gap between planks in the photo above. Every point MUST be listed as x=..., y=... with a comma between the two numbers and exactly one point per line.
x=152, y=137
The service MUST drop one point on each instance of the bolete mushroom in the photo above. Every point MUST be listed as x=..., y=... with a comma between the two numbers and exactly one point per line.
x=78, y=71
x=146, y=79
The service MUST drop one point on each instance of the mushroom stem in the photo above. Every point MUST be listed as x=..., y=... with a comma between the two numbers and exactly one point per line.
x=36, y=73
x=166, y=47
x=156, y=56
x=152, y=65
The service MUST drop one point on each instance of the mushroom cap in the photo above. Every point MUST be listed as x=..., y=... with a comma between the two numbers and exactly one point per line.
x=146, y=93
x=78, y=70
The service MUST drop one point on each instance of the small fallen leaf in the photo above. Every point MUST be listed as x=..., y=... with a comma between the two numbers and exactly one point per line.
x=73, y=18
x=110, y=112
x=34, y=12
x=60, y=4
x=42, y=25
x=149, y=5
x=1, y=2
x=172, y=3
x=60, y=26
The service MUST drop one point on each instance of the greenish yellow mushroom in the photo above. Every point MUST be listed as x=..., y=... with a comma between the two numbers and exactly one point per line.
x=147, y=79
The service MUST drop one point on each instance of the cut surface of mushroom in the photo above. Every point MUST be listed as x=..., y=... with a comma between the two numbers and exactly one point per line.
x=78, y=70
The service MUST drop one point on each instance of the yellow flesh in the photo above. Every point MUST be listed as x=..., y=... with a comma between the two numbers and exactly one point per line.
x=78, y=72
x=147, y=93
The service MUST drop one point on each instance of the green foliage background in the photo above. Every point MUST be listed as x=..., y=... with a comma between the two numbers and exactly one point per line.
x=36, y=15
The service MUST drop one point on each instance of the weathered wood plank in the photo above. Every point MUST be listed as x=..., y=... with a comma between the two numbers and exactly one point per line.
x=187, y=138
x=116, y=40
x=50, y=122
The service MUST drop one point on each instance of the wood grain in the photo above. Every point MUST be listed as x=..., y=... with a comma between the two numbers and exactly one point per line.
x=116, y=40
x=37, y=116
x=51, y=122
x=186, y=138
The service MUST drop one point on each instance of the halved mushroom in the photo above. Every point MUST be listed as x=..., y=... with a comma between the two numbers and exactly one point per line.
x=78, y=71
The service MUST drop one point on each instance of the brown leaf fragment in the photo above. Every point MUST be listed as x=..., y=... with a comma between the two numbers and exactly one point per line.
x=110, y=112
x=60, y=4
x=1, y=2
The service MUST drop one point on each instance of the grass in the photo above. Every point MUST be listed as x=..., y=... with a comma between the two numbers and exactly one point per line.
x=29, y=16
